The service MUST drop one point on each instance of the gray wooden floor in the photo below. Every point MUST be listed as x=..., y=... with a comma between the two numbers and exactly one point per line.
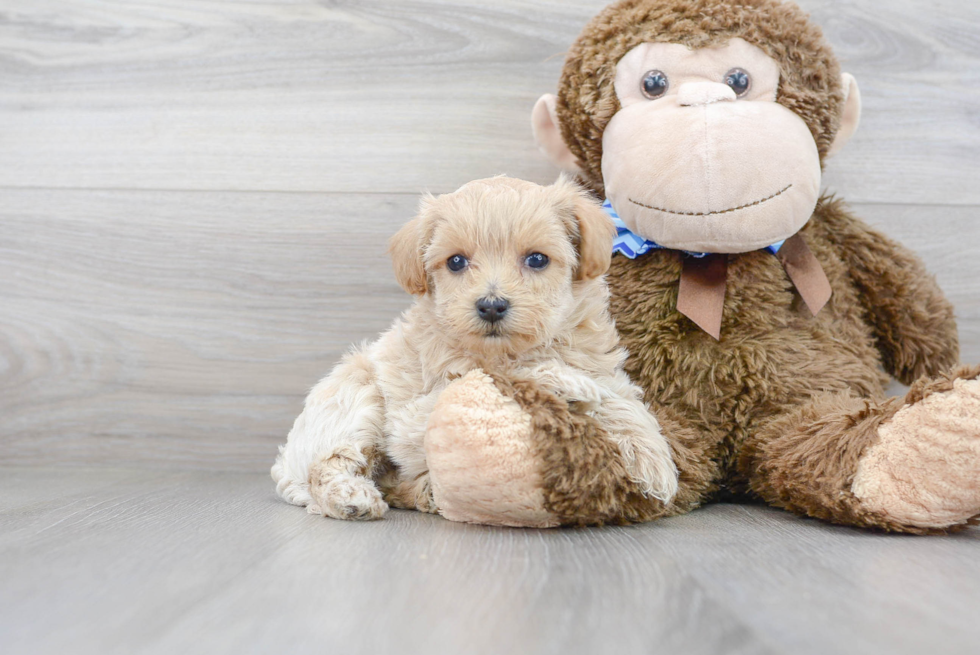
x=123, y=561
x=194, y=198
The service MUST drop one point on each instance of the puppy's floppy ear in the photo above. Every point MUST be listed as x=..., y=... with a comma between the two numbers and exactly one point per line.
x=591, y=229
x=407, y=249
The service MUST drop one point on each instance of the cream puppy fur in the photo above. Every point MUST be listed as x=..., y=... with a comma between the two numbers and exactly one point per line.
x=508, y=279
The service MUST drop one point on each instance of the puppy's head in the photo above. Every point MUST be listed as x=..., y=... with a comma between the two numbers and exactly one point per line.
x=503, y=260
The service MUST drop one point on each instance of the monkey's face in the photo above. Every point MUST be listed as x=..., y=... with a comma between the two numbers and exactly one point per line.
x=700, y=157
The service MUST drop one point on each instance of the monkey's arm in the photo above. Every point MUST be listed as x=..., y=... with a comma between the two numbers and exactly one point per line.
x=912, y=319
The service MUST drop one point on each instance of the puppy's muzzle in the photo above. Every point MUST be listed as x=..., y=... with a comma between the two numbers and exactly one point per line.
x=492, y=310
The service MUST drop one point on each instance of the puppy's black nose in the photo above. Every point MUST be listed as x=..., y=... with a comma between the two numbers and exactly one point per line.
x=491, y=310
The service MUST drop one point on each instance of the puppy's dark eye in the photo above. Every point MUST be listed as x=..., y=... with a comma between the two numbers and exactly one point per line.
x=536, y=260
x=739, y=81
x=654, y=84
x=456, y=263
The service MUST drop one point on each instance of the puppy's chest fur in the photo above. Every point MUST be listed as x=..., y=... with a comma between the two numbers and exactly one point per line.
x=773, y=354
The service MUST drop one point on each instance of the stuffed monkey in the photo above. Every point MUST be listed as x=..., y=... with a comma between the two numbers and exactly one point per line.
x=759, y=316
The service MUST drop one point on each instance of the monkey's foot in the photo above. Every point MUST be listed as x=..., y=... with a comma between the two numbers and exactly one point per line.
x=481, y=465
x=924, y=471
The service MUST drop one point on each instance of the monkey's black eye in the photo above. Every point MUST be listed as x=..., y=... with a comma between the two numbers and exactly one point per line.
x=456, y=263
x=654, y=84
x=536, y=260
x=739, y=81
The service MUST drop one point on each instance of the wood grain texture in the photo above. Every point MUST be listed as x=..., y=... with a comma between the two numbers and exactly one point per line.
x=181, y=327
x=174, y=329
x=134, y=562
x=400, y=96
x=194, y=200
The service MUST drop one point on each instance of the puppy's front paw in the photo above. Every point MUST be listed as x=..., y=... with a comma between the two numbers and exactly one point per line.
x=347, y=497
x=580, y=391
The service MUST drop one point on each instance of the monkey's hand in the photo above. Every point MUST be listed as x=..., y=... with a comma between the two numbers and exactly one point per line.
x=913, y=322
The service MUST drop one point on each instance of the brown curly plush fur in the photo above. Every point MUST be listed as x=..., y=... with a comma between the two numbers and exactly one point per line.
x=805, y=461
x=809, y=83
x=584, y=479
x=783, y=406
x=778, y=370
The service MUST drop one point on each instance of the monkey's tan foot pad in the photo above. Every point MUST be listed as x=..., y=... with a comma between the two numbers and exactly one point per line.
x=925, y=469
x=481, y=465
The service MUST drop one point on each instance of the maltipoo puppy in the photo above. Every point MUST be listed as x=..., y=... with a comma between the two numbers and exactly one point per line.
x=508, y=276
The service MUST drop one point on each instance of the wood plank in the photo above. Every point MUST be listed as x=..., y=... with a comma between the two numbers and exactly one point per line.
x=140, y=566
x=105, y=568
x=396, y=96
x=920, y=88
x=31, y=491
x=183, y=329
x=814, y=588
x=197, y=562
x=141, y=323
x=452, y=588
x=401, y=96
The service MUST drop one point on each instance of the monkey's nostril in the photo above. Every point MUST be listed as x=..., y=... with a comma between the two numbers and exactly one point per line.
x=492, y=310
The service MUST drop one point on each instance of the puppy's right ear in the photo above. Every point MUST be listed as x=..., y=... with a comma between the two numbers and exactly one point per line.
x=406, y=250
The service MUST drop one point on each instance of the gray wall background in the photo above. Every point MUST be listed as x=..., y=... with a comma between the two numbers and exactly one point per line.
x=195, y=196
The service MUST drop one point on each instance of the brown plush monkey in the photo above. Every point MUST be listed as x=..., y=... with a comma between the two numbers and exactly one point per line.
x=759, y=315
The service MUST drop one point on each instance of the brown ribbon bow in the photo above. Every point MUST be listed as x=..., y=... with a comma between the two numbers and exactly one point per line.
x=701, y=295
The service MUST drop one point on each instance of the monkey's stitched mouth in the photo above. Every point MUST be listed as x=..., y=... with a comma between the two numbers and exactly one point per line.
x=723, y=211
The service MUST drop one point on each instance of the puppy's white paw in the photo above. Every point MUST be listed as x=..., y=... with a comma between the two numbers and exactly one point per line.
x=347, y=497
x=574, y=386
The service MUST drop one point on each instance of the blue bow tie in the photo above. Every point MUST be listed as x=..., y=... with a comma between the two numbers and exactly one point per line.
x=633, y=245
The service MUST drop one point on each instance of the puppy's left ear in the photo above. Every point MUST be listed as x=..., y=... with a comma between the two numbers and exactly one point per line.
x=407, y=248
x=592, y=231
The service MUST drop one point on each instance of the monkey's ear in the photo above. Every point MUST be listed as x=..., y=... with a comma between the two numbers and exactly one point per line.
x=851, y=117
x=547, y=134
x=406, y=250
x=592, y=230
